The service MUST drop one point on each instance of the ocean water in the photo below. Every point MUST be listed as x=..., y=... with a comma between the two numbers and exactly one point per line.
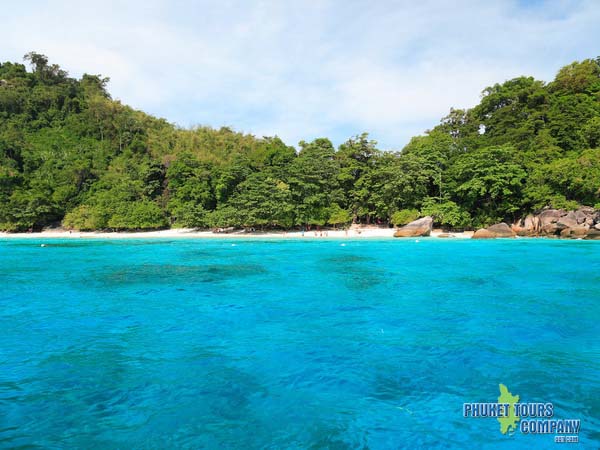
x=293, y=344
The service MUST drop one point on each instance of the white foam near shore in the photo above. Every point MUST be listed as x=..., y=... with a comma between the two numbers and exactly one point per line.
x=353, y=233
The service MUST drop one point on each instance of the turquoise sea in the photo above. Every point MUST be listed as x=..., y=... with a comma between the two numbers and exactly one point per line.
x=293, y=344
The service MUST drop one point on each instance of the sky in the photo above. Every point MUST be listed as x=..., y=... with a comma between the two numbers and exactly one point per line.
x=304, y=69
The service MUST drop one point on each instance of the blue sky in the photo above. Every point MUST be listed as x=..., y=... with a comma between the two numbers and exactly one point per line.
x=304, y=69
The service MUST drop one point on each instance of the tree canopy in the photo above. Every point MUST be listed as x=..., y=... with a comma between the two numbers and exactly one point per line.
x=72, y=155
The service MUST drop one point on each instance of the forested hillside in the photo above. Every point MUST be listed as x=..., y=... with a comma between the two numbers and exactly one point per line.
x=71, y=154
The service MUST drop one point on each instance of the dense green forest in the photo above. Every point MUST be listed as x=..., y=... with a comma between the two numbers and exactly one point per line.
x=71, y=154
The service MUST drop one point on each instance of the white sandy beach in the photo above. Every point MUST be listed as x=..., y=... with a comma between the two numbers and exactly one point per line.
x=187, y=233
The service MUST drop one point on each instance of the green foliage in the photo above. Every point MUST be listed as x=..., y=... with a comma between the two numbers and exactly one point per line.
x=313, y=182
x=263, y=201
x=223, y=217
x=70, y=153
x=591, y=132
x=86, y=218
x=488, y=181
x=404, y=216
x=191, y=192
x=137, y=215
x=576, y=176
x=189, y=215
x=356, y=158
x=512, y=112
x=140, y=215
x=446, y=213
x=578, y=77
x=338, y=216
x=560, y=202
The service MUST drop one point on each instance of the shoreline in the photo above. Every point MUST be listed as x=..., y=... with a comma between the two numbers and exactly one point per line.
x=189, y=233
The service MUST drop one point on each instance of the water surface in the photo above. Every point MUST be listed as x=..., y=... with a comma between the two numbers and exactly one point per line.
x=293, y=344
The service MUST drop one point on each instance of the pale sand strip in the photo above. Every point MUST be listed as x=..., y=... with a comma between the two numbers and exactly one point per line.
x=353, y=233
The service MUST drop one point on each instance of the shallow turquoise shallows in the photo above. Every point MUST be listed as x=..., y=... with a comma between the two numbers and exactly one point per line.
x=293, y=344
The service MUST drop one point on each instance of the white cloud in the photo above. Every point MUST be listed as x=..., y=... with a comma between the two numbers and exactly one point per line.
x=305, y=69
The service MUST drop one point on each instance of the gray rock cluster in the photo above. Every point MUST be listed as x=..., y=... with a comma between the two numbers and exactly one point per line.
x=583, y=223
x=500, y=230
x=419, y=227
